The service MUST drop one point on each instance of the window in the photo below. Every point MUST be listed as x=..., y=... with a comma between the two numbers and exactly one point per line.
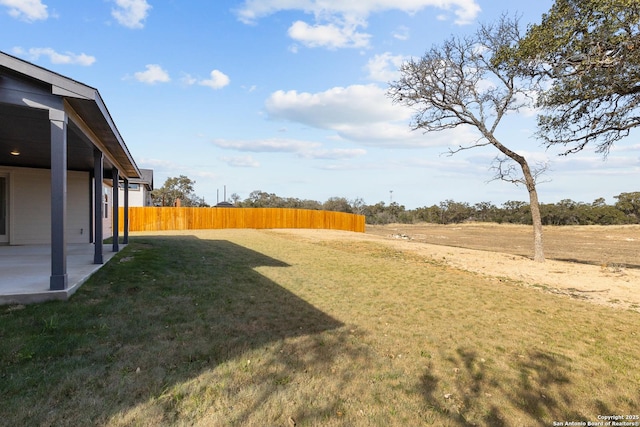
x=132, y=186
x=105, y=200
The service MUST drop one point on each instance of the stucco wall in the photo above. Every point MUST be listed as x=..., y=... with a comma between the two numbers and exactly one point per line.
x=30, y=206
x=136, y=197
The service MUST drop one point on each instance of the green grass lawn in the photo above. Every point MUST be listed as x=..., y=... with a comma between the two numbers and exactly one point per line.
x=250, y=328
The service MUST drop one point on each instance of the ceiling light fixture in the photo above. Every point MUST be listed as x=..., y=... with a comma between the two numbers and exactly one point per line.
x=15, y=152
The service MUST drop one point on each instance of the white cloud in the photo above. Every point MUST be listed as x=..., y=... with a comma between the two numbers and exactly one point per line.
x=359, y=113
x=163, y=169
x=204, y=174
x=330, y=36
x=303, y=149
x=56, y=58
x=154, y=74
x=131, y=13
x=271, y=145
x=385, y=67
x=241, y=161
x=188, y=79
x=337, y=21
x=252, y=10
x=595, y=164
x=26, y=10
x=218, y=80
x=334, y=154
x=625, y=148
x=399, y=135
x=402, y=33
x=527, y=104
x=362, y=104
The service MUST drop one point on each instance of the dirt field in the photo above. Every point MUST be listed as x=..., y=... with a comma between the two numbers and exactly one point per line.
x=597, y=245
x=594, y=263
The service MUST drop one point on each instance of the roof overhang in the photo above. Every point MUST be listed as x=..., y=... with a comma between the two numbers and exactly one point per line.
x=28, y=93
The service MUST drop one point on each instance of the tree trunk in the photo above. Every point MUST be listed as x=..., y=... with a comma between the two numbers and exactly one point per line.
x=536, y=218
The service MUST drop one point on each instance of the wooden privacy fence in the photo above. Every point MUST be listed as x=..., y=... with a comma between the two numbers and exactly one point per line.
x=170, y=218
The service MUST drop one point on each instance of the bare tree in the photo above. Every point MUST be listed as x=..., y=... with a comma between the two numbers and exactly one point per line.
x=459, y=84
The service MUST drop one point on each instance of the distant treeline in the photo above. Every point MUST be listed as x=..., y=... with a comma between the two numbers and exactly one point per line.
x=626, y=210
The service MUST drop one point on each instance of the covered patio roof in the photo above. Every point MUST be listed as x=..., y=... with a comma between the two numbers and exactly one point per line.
x=27, y=93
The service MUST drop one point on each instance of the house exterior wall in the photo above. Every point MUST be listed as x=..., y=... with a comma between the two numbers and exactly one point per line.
x=30, y=207
x=139, y=197
x=107, y=210
x=79, y=209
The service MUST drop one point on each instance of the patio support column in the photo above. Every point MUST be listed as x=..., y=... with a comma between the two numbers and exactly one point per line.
x=58, y=125
x=116, y=179
x=125, y=238
x=98, y=177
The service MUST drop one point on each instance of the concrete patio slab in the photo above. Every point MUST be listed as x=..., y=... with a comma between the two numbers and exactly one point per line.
x=25, y=271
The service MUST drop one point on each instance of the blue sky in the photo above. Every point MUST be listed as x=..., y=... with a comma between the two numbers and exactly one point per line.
x=288, y=96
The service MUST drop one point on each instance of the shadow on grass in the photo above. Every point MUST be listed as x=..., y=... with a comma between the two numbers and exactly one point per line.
x=541, y=394
x=164, y=311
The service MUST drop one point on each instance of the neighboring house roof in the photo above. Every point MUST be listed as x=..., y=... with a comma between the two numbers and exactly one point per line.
x=27, y=92
x=146, y=179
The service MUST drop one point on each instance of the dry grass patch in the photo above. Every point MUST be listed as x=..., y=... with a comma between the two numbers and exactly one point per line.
x=613, y=247
x=245, y=327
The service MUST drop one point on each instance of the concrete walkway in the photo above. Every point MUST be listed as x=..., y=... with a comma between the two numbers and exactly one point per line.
x=25, y=271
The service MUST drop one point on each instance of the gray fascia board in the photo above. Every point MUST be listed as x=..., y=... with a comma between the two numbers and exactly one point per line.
x=73, y=92
x=107, y=116
x=59, y=83
x=20, y=92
